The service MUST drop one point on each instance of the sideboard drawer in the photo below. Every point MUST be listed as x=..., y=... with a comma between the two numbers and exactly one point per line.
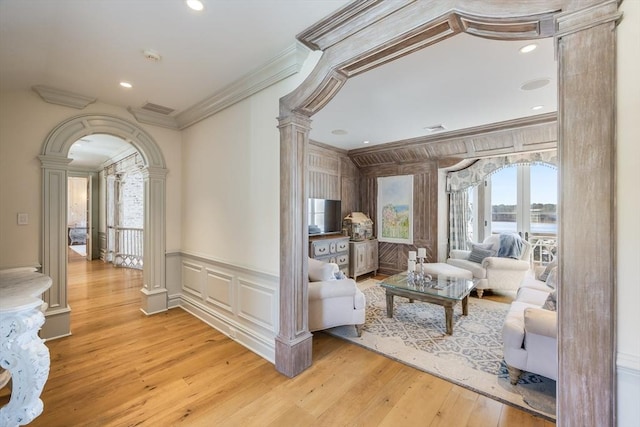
x=320, y=248
x=342, y=259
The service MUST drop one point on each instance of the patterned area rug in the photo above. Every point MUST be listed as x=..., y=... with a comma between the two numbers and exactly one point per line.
x=471, y=357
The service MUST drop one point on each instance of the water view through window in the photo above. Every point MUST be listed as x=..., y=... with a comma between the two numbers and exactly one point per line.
x=518, y=207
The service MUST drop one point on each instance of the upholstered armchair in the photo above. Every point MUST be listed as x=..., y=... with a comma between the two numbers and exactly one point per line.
x=333, y=301
x=491, y=271
x=529, y=334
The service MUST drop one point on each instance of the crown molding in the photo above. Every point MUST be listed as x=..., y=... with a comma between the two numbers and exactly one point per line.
x=152, y=118
x=63, y=97
x=284, y=65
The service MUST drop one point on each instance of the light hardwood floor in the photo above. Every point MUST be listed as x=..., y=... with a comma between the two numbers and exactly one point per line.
x=122, y=368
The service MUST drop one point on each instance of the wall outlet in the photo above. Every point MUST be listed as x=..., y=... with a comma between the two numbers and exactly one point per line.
x=23, y=218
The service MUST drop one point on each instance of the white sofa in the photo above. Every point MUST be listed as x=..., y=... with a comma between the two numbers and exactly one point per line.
x=333, y=302
x=494, y=272
x=529, y=333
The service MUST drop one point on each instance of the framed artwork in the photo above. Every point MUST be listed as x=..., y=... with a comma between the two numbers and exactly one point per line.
x=395, y=209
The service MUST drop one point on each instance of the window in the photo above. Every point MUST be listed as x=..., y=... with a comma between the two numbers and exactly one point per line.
x=523, y=199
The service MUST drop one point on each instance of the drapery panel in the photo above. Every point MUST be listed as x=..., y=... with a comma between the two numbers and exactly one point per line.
x=459, y=214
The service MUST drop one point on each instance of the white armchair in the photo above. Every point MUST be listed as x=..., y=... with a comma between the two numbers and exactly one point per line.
x=333, y=302
x=494, y=272
x=530, y=335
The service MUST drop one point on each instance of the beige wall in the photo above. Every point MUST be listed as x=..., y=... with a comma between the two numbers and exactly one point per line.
x=25, y=122
x=628, y=214
x=231, y=181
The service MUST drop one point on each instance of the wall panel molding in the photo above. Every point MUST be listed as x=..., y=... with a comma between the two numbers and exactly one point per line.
x=239, y=302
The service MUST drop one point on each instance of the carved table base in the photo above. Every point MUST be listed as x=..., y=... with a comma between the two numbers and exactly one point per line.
x=25, y=356
x=22, y=352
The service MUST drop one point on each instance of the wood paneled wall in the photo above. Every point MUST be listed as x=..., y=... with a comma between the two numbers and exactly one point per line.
x=332, y=175
x=392, y=257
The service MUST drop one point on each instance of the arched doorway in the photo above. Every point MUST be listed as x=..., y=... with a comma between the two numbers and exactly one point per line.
x=55, y=161
x=586, y=42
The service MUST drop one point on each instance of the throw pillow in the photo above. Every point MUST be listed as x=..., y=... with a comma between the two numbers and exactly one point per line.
x=545, y=274
x=551, y=302
x=340, y=275
x=552, y=279
x=479, y=253
x=320, y=271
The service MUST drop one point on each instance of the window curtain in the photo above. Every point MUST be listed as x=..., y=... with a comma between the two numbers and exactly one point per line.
x=458, y=219
x=475, y=173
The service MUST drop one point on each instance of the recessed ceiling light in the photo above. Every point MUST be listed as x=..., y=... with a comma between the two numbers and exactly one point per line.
x=365, y=142
x=195, y=5
x=528, y=48
x=151, y=55
x=535, y=84
x=126, y=85
x=537, y=107
x=339, y=132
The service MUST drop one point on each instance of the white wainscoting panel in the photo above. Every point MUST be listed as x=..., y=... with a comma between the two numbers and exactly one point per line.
x=239, y=302
x=219, y=290
x=628, y=384
x=191, y=278
x=257, y=304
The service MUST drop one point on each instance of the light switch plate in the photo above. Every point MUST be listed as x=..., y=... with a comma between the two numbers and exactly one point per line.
x=23, y=218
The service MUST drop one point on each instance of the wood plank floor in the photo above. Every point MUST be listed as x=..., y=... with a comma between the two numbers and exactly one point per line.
x=122, y=368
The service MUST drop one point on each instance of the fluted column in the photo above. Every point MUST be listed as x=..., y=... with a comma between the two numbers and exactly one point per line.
x=586, y=42
x=293, y=343
x=54, y=244
x=154, y=291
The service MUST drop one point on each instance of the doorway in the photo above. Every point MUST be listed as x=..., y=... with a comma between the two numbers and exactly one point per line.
x=55, y=159
x=79, y=216
x=586, y=44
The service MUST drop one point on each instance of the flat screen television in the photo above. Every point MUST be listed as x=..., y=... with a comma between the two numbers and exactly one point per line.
x=325, y=216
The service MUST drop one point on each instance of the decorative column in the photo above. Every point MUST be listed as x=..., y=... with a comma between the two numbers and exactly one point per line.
x=293, y=343
x=586, y=44
x=54, y=244
x=154, y=291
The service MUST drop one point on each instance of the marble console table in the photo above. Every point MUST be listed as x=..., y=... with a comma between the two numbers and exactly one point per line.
x=22, y=352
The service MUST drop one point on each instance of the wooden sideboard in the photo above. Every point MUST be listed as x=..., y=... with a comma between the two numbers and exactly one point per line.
x=363, y=257
x=331, y=248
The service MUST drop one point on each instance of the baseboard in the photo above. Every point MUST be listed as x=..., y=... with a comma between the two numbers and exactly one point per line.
x=263, y=346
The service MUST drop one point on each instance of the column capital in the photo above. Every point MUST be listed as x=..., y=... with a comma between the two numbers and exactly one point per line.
x=54, y=162
x=574, y=21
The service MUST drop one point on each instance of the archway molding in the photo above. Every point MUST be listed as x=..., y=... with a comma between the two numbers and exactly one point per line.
x=55, y=166
x=366, y=34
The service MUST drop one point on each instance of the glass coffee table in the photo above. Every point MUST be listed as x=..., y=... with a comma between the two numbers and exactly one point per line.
x=441, y=290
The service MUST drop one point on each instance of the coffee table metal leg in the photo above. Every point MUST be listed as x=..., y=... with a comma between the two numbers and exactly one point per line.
x=389, y=305
x=465, y=305
x=448, y=315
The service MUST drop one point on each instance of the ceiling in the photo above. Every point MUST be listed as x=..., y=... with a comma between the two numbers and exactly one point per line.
x=88, y=47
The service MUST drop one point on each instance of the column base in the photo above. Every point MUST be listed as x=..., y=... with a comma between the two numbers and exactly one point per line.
x=153, y=301
x=57, y=323
x=293, y=356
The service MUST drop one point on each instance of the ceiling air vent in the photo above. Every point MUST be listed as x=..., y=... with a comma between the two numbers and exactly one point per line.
x=157, y=108
x=435, y=128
